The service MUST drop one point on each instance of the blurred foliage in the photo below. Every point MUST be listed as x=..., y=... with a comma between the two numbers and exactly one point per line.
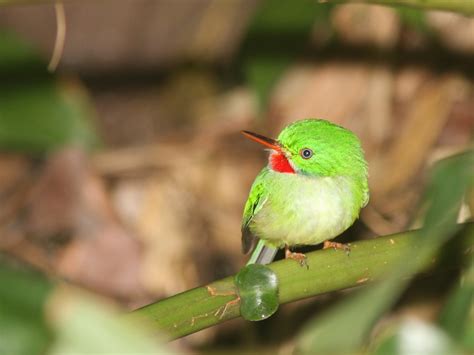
x=276, y=37
x=415, y=337
x=452, y=334
x=451, y=179
x=85, y=325
x=23, y=328
x=37, y=318
x=413, y=18
x=457, y=316
x=37, y=112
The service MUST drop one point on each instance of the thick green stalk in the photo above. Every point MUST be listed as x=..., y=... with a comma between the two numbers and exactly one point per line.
x=329, y=270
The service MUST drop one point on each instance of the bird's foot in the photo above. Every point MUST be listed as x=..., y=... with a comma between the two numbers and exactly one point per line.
x=299, y=257
x=346, y=247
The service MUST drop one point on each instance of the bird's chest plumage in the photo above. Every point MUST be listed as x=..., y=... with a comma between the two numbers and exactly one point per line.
x=301, y=210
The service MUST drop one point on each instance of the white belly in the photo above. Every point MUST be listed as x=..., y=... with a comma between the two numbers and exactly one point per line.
x=300, y=210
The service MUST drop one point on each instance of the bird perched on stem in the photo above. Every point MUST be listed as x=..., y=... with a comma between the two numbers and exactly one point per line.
x=312, y=190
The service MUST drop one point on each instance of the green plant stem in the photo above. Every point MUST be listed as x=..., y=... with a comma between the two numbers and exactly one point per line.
x=329, y=270
x=465, y=7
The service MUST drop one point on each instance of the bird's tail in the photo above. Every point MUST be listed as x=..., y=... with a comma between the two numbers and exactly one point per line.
x=262, y=254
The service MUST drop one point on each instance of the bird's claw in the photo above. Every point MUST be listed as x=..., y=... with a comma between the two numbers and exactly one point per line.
x=299, y=257
x=346, y=247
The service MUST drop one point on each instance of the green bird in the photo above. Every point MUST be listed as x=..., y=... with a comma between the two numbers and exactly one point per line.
x=312, y=190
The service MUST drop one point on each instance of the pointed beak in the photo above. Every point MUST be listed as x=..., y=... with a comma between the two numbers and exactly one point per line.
x=268, y=142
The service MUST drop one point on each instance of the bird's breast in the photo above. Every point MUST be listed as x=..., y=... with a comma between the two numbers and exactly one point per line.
x=302, y=210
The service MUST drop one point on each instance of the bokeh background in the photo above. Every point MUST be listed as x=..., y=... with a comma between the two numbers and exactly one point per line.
x=123, y=172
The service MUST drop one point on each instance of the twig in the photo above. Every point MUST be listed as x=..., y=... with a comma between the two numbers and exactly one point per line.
x=60, y=36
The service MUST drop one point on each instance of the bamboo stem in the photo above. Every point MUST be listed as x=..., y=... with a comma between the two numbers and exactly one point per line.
x=329, y=270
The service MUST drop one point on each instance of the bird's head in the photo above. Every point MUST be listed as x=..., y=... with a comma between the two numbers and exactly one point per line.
x=314, y=147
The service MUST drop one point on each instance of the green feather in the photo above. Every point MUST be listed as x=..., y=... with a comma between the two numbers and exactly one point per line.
x=255, y=201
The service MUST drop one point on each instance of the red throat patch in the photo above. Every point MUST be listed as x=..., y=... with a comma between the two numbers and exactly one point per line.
x=278, y=162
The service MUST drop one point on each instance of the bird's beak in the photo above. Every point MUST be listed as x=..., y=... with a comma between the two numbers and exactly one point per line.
x=268, y=142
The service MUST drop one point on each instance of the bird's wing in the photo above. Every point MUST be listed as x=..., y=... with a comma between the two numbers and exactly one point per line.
x=257, y=198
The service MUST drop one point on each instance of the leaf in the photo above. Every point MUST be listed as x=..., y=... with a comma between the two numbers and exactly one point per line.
x=257, y=287
x=37, y=319
x=36, y=113
x=23, y=329
x=355, y=317
x=84, y=324
x=457, y=316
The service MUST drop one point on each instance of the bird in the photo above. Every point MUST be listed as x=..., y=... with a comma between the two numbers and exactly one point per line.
x=311, y=190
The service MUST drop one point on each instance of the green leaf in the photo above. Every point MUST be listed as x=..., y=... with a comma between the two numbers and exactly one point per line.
x=457, y=316
x=450, y=179
x=84, y=324
x=257, y=287
x=37, y=113
x=23, y=329
x=75, y=322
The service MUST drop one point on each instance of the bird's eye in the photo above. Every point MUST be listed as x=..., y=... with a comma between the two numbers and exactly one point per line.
x=306, y=153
